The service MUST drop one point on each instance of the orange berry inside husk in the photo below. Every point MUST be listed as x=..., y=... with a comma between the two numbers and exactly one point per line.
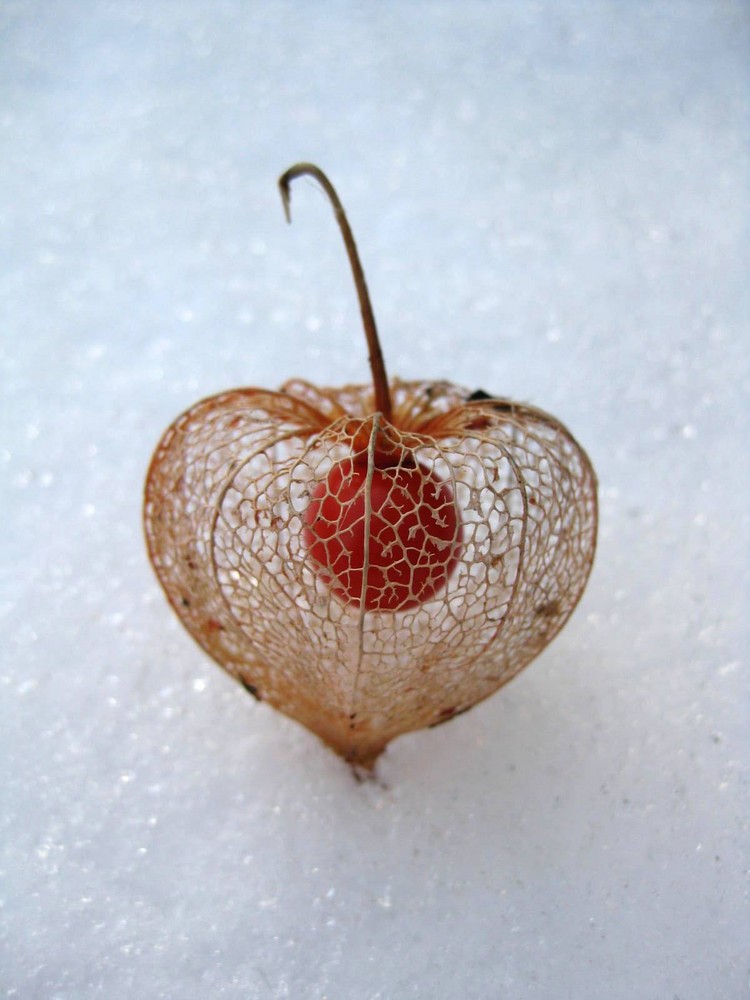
x=413, y=532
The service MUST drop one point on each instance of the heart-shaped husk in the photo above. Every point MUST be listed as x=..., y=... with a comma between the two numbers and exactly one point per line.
x=226, y=495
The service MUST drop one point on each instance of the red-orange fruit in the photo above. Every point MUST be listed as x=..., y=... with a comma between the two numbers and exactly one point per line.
x=408, y=534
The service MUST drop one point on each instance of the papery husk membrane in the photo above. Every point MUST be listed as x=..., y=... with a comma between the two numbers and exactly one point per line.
x=225, y=500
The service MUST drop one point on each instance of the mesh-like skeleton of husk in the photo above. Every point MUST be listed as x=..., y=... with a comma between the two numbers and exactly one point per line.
x=226, y=497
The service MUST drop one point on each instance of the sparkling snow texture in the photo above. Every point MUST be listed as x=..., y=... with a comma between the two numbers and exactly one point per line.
x=551, y=201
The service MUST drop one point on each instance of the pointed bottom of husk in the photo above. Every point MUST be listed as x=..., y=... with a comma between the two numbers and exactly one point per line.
x=362, y=761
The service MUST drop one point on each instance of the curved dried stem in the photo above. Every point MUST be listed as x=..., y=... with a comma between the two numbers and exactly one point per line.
x=377, y=365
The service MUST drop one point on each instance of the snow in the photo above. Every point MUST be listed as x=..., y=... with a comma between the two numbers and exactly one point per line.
x=551, y=202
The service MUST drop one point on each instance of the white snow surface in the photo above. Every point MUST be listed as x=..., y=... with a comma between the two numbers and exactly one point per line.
x=552, y=201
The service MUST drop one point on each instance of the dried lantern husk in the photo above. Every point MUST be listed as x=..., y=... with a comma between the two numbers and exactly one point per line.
x=226, y=496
